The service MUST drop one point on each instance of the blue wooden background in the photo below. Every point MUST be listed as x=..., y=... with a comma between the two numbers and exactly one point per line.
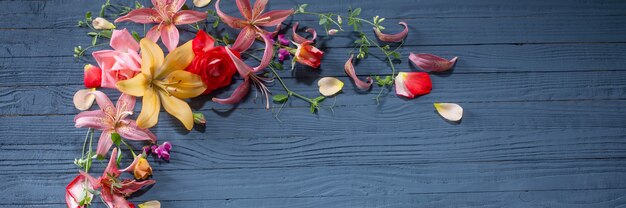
x=543, y=84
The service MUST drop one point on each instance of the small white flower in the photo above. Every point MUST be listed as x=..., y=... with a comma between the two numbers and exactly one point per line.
x=102, y=24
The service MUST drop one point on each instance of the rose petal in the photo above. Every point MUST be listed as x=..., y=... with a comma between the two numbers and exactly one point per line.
x=449, y=111
x=299, y=39
x=393, y=37
x=199, y=3
x=83, y=99
x=229, y=20
x=122, y=40
x=431, y=62
x=411, y=84
x=329, y=86
x=349, y=68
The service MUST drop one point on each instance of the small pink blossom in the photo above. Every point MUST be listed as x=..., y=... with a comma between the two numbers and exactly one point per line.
x=283, y=54
x=122, y=63
x=282, y=40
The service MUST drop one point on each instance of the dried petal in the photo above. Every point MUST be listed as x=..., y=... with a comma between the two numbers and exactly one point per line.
x=349, y=68
x=449, y=111
x=199, y=3
x=83, y=99
x=299, y=39
x=431, y=62
x=329, y=86
x=393, y=37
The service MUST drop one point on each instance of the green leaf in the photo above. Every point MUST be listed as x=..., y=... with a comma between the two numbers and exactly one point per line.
x=119, y=158
x=117, y=139
x=94, y=40
x=319, y=99
x=136, y=36
x=88, y=16
x=280, y=98
x=105, y=33
x=302, y=7
x=216, y=23
x=313, y=108
x=92, y=33
x=323, y=20
x=138, y=5
x=356, y=12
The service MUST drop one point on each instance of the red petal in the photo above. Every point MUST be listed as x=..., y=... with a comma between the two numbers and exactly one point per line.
x=141, y=16
x=189, y=17
x=229, y=20
x=244, y=40
x=202, y=43
x=93, y=76
x=349, y=68
x=431, y=62
x=411, y=84
x=395, y=37
x=299, y=39
x=273, y=18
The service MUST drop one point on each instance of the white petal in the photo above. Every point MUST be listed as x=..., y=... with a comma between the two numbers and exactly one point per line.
x=330, y=86
x=150, y=204
x=449, y=111
x=83, y=99
x=201, y=3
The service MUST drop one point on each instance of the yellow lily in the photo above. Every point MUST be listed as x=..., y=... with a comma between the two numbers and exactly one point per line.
x=164, y=81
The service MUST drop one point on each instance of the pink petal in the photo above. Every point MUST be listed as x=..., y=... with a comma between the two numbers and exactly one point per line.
x=104, y=144
x=243, y=69
x=105, y=59
x=178, y=4
x=244, y=40
x=154, y=34
x=188, y=17
x=111, y=168
x=104, y=102
x=131, y=131
x=229, y=20
x=141, y=16
x=126, y=103
x=268, y=54
x=93, y=182
x=299, y=39
x=74, y=190
x=237, y=95
x=122, y=40
x=395, y=37
x=273, y=18
x=131, y=167
x=170, y=37
x=349, y=68
x=244, y=8
x=96, y=119
x=259, y=6
x=431, y=62
x=131, y=186
x=275, y=32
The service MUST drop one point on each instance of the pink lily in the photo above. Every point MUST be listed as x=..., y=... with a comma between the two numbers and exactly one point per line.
x=166, y=14
x=253, y=20
x=123, y=62
x=249, y=75
x=114, y=190
x=112, y=119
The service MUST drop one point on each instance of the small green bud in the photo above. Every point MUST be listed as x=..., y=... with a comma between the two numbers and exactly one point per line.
x=198, y=118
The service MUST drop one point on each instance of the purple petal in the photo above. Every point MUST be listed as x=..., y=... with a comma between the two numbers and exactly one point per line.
x=431, y=62
x=349, y=68
x=282, y=40
x=167, y=146
x=393, y=37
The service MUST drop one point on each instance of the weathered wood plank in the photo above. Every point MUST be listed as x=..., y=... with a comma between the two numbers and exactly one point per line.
x=39, y=100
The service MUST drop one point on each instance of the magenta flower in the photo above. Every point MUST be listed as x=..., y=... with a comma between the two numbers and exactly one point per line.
x=253, y=20
x=112, y=119
x=282, y=40
x=283, y=54
x=162, y=151
x=166, y=14
x=122, y=63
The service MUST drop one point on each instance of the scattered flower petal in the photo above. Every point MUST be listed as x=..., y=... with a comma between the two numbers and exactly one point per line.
x=83, y=99
x=150, y=204
x=329, y=86
x=449, y=111
x=411, y=84
x=431, y=62
x=349, y=68
x=199, y=3
x=100, y=23
x=393, y=37
x=299, y=39
x=77, y=191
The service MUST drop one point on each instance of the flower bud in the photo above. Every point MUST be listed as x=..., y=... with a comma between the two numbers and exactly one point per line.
x=142, y=169
x=102, y=24
x=93, y=76
x=332, y=31
x=198, y=118
x=338, y=19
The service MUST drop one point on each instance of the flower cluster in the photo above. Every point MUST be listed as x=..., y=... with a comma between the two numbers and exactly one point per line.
x=139, y=68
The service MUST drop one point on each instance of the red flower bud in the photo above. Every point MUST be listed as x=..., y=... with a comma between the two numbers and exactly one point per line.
x=93, y=76
x=309, y=55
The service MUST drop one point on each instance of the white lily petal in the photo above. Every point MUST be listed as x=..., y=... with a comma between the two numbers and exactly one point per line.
x=330, y=86
x=201, y=3
x=449, y=111
x=83, y=99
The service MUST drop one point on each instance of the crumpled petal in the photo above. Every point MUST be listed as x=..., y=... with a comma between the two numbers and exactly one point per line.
x=244, y=40
x=83, y=99
x=349, y=68
x=449, y=111
x=273, y=18
x=189, y=17
x=122, y=40
x=95, y=119
x=75, y=189
x=151, y=105
x=170, y=37
x=150, y=204
x=299, y=39
x=393, y=37
x=411, y=84
x=141, y=16
x=431, y=62
x=132, y=132
x=104, y=143
x=178, y=108
x=229, y=20
x=239, y=93
x=199, y=3
x=244, y=8
x=329, y=86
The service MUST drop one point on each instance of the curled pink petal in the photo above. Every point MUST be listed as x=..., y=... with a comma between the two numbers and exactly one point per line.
x=170, y=37
x=299, y=39
x=237, y=95
x=349, y=68
x=189, y=17
x=122, y=40
x=131, y=186
x=96, y=119
x=104, y=144
x=275, y=32
x=244, y=40
x=431, y=62
x=132, y=132
x=229, y=20
x=395, y=37
x=268, y=54
x=141, y=16
x=273, y=18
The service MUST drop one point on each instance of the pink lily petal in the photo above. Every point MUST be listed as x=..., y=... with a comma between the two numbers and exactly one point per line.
x=276, y=30
x=178, y=4
x=132, y=186
x=243, y=69
x=111, y=168
x=268, y=54
x=131, y=167
x=393, y=37
x=244, y=40
x=237, y=95
x=132, y=132
x=96, y=119
x=92, y=181
x=259, y=6
x=299, y=39
x=229, y=20
x=126, y=103
x=431, y=62
x=244, y=8
x=170, y=37
x=122, y=40
x=154, y=34
x=188, y=17
x=273, y=18
x=104, y=103
x=141, y=16
x=104, y=144
x=349, y=68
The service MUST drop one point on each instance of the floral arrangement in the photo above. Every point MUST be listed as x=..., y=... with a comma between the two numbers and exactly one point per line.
x=138, y=67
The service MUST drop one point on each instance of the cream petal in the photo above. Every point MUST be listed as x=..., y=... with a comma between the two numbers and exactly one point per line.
x=150, y=204
x=177, y=108
x=329, y=86
x=201, y=3
x=449, y=111
x=151, y=105
x=83, y=99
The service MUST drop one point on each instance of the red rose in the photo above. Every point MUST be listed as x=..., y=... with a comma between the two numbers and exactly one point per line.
x=309, y=55
x=211, y=63
x=93, y=76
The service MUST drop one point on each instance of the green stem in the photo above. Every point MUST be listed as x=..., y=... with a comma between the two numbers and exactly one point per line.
x=129, y=148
